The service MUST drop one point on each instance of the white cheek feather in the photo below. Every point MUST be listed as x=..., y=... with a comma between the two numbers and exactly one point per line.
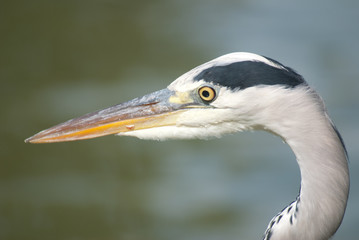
x=270, y=107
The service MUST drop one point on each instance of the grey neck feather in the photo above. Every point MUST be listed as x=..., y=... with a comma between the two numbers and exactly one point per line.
x=319, y=209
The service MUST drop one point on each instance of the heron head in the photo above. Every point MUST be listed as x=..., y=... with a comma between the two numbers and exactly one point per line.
x=222, y=96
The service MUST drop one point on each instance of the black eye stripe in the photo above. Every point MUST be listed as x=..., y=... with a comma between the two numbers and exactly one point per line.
x=248, y=74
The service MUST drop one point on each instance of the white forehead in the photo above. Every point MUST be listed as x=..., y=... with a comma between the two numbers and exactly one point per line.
x=240, y=57
x=186, y=83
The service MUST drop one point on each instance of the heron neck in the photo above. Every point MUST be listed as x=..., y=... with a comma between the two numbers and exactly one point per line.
x=322, y=160
x=325, y=180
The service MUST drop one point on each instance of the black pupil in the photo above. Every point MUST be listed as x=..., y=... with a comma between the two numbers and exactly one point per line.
x=205, y=94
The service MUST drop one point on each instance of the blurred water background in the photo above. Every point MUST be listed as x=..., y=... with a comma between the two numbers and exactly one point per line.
x=61, y=59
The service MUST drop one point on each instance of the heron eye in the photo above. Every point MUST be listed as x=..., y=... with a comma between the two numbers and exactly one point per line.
x=207, y=94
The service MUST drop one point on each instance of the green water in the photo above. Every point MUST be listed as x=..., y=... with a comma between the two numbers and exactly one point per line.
x=61, y=59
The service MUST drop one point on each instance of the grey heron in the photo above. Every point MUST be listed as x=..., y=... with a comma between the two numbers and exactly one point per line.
x=235, y=92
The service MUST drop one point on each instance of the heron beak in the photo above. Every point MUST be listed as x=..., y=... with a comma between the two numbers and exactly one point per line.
x=157, y=109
